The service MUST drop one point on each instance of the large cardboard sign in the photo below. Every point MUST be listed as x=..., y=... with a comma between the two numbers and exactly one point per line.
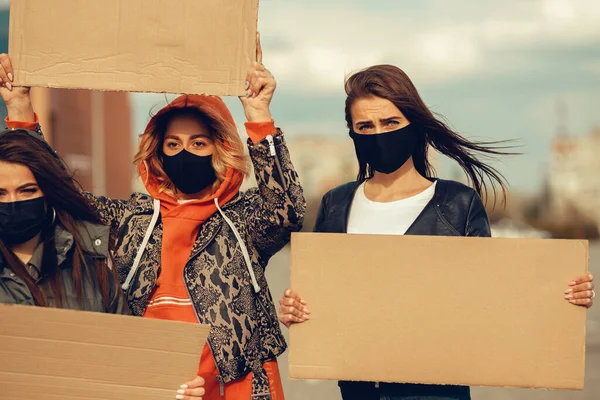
x=440, y=310
x=52, y=354
x=174, y=46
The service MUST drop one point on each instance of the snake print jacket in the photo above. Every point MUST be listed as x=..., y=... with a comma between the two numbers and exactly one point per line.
x=244, y=328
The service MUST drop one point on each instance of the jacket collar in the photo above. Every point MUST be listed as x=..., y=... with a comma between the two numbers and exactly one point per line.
x=94, y=242
x=339, y=207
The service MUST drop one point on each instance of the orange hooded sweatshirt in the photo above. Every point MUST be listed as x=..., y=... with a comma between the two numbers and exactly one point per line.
x=181, y=224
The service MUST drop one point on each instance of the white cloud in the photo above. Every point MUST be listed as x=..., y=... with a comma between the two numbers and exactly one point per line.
x=559, y=10
x=328, y=41
x=442, y=55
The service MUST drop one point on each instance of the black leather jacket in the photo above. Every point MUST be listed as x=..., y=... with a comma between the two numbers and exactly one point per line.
x=455, y=210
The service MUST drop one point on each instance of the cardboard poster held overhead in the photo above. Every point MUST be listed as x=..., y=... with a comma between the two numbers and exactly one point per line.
x=438, y=310
x=173, y=46
x=48, y=353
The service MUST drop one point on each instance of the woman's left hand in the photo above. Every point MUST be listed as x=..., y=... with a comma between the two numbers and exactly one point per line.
x=193, y=390
x=581, y=291
x=260, y=87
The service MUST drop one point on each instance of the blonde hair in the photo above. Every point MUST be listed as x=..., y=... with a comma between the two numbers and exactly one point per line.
x=229, y=149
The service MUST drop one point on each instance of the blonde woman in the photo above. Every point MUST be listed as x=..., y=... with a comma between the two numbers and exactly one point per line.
x=196, y=248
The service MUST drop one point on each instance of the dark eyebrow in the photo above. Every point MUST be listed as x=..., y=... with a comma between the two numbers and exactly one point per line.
x=27, y=185
x=391, y=119
x=196, y=136
x=201, y=135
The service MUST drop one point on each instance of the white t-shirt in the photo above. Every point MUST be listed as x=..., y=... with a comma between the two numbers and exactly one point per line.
x=392, y=218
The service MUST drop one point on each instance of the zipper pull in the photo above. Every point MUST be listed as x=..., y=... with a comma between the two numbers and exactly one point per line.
x=271, y=145
x=221, y=387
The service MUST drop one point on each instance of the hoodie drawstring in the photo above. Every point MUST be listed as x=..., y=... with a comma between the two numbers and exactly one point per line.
x=153, y=221
x=242, y=245
x=140, y=253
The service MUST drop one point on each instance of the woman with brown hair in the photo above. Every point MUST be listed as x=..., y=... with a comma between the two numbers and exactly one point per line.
x=53, y=248
x=196, y=248
x=396, y=193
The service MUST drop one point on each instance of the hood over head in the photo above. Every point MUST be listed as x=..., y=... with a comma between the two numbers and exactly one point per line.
x=213, y=108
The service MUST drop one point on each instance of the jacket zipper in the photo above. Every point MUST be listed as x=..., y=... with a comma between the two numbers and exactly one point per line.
x=445, y=222
x=264, y=308
x=273, y=153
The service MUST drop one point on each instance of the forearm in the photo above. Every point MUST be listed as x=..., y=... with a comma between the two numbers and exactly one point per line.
x=21, y=114
x=279, y=207
x=21, y=111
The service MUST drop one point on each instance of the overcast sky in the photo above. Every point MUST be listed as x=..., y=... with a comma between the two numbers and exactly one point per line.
x=495, y=69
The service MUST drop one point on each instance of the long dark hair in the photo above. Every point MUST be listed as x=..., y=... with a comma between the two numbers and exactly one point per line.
x=391, y=83
x=64, y=197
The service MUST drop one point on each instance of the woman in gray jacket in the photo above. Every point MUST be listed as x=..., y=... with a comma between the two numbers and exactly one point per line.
x=53, y=248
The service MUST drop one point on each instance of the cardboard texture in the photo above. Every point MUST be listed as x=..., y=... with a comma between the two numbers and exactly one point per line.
x=441, y=310
x=53, y=354
x=173, y=46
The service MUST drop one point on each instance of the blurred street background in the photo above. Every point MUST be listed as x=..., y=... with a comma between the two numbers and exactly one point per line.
x=518, y=70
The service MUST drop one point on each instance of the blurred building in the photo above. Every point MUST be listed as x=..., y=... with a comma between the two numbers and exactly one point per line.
x=322, y=162
x=92, y=131
x=509, y=228
x=574, y=180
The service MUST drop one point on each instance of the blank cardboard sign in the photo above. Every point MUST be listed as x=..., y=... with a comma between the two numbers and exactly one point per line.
x=440, y=310
x=173, y=46
x=51, y=354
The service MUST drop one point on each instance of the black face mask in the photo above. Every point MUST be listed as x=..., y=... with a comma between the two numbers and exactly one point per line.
x=20, y=221
x=386, y=152
x=188, y=172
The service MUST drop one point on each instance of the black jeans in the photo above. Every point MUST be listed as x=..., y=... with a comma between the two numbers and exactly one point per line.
x=402, y=391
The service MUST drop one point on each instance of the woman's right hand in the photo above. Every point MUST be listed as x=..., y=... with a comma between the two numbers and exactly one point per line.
x=16, y=99
x=292, y=309
x=9, y=93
